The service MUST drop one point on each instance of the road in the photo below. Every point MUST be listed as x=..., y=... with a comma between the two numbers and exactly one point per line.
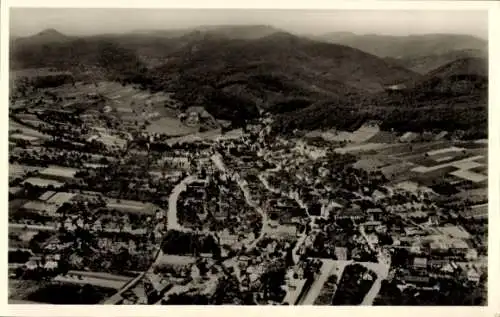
x=381, y=269
x=315, y=289
x=330, y=267
x=172, y=220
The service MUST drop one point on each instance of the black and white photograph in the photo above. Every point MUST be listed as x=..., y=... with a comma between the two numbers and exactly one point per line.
x=269, y=157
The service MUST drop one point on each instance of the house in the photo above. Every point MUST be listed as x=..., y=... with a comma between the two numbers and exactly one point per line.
x=409, y=137
x=378, y=195
x=471, y=255
x=341, y=253
x=374, y=213
x=417, y=279
x=419, y=264
x=473, y=275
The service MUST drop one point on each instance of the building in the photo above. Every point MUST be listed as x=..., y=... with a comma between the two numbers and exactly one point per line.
x=409, y=137
x=420, y=264
x=374, y=213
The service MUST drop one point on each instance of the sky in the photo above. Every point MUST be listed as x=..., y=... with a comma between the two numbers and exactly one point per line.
x=28, y=21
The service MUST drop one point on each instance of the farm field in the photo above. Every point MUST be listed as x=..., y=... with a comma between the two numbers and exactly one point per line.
x=130, y=206
x=14, y=126
x=17, y=170
x=170, y=126
x=43, y=182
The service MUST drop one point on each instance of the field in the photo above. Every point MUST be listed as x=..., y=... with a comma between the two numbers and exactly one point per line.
x=18, y=171
x=383, y=137
x=43, y=182
x=25, y=130
x=58, y=171
x=170, y=127
x=363, y=134
x=40, y=207
x=470, y=176
x=60, y=198
x=130, y=206
x=94, y=280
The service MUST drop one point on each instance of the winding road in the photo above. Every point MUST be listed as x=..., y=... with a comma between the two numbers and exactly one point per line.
x=172, y=220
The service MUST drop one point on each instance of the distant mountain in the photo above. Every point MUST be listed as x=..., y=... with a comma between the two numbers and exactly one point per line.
x=224, y=31
x=407, y=46
x=465, y=75
x=52, y=48
x=425, y=64
x=420, y=53
x=47, y=36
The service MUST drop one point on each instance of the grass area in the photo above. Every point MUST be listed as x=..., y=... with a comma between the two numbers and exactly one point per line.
x=170, y=126
x=383, y=137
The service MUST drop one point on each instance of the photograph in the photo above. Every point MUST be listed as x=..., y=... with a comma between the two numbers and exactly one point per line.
x=248, y=157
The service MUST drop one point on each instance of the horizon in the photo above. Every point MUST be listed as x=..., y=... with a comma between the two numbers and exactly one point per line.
x=26, y=22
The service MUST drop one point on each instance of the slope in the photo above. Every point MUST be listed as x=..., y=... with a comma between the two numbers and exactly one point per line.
x=420, y=53
x=278, y=70
x=452, y=97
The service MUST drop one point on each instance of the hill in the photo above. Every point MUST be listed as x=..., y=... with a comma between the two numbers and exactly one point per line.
x=425, y=64
x=47, y=36
x=420, y=53
x=464, y=75
x=452, y=97
x=275, y=73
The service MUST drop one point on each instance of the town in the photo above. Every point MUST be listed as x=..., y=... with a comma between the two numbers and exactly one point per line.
x=116, y=196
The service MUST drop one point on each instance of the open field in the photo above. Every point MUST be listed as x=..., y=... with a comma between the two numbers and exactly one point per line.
x=59, y=171
x=363, y=134
x=424, y=169
x=25, y=130
x=17, y=170
x=130, y=206
x=42, y=182
x=470, y=176
x=383, y=137
x=170, y=126
x=79, y=279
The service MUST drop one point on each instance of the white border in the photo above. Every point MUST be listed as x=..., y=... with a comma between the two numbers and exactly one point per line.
x=494, y=180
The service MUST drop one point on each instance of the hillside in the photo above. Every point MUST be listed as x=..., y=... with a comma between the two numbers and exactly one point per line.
x=279, y=72
x=54, y=49
x=452, y=97
x=238, y=73
x=420, y=53
x=461, y=76
x=425, y=64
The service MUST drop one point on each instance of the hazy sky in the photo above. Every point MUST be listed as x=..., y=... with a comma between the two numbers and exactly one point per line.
x=27, y=21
